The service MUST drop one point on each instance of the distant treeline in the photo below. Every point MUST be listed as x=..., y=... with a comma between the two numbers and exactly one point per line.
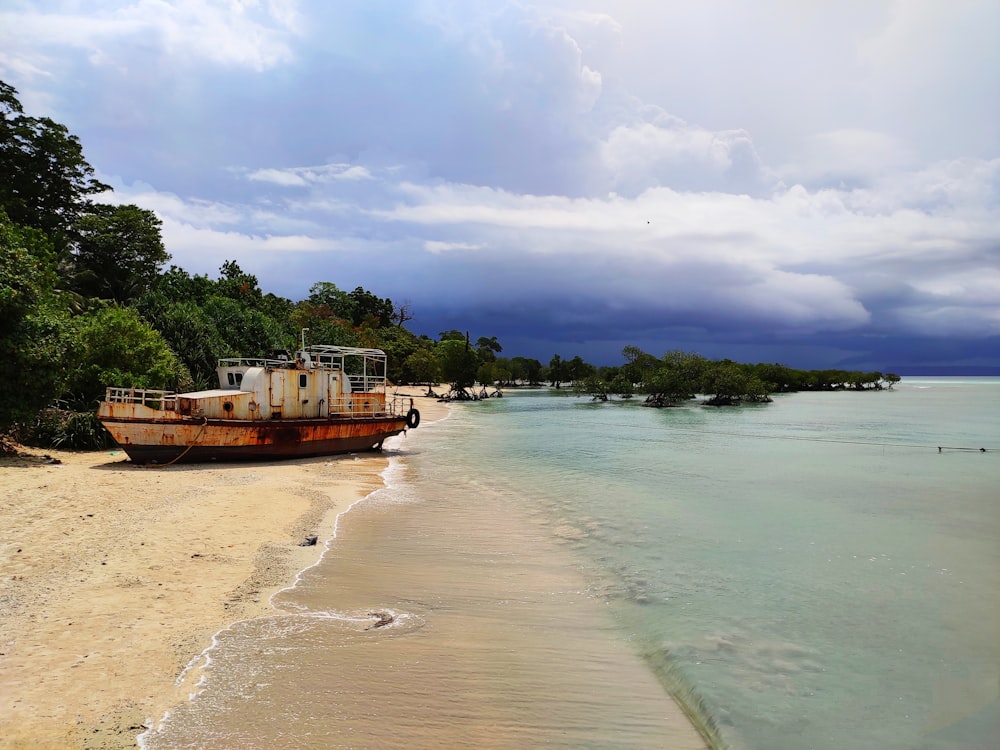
x=678, y=376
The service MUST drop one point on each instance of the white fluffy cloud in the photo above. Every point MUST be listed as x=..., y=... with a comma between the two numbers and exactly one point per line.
x=671, y=152
x=245, y=34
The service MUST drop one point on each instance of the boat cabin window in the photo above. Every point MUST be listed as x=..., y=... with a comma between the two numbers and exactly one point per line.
x=235, y=378
x=303, y=380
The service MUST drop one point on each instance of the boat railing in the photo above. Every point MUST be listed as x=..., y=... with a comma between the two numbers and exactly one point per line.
x=361, y=405
x=256, y=362
x=398, y=405
x=367, y=383
x=370, y=405
x=149, y=397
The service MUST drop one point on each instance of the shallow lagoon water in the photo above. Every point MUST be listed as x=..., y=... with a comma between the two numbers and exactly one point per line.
x=811, y=573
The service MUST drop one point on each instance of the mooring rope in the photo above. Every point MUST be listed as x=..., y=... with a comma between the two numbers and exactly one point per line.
x=192, y=445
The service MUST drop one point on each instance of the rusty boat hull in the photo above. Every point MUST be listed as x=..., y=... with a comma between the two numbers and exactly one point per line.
x=321, y=401
x=192, y=441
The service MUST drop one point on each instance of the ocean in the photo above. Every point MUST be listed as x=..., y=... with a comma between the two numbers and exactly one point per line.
x=821, y=572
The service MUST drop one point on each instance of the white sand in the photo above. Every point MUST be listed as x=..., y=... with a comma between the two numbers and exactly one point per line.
x=114, y=576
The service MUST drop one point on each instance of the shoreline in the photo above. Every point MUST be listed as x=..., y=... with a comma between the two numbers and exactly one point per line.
x=115, y=578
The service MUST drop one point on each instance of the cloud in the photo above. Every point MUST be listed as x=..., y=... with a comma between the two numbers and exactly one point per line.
x=930, y=73
x=284, y=177
x=851, y=155
x=670, y=152
x=302, y=176
x=434, y=246
x=243, y=34
x=806, y=178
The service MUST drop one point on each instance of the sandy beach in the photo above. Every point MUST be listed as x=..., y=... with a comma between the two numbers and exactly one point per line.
x=113, y=576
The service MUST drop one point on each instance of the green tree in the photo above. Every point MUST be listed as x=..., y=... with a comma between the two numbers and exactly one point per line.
x=245, y=330
x=119, y=252
x=191, y=334
x=334, y=316
x=236, y=284
x=488, y=348
x=528, y=369
x=756, y=390
x=328, y=301
x=778, y=378
x=458, y=361
x=871, y=381
x=368, y=306
x=177, y=285
x=577, y=369
x=592, y=385
x=249, y=322
x=398, y=344
x=558, y=371
x=501, y=372
x=332, y=331
x=46, y=182
x=675, y=378
x=622, y=385
x=34, y=324
x=328, y=313
x=725, y=382
x=486, y=374
x=113, y=346
x=638, y=364
x=422, y=367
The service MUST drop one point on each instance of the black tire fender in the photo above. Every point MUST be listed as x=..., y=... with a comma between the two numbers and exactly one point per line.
x=412, y=419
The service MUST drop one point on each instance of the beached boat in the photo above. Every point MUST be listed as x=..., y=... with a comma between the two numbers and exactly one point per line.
x=321, y=400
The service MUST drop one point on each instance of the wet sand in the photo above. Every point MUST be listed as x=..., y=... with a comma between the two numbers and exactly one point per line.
x=495, y=642
x=114, y=576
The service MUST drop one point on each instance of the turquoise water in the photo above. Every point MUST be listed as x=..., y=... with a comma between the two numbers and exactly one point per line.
x=814, y=568
x=811, y=573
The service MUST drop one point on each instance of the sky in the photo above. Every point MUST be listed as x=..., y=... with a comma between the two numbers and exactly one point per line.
x=811, y=183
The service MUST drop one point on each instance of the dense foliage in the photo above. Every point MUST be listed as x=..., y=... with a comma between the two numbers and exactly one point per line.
x=34, y=323
x=85, y=303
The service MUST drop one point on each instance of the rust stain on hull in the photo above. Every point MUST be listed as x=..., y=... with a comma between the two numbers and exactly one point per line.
x=154, y=441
